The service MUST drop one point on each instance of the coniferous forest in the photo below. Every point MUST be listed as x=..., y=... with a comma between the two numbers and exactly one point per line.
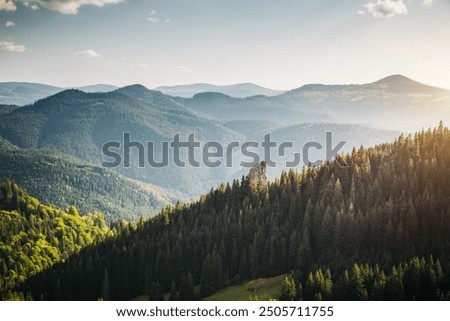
x=375, y=229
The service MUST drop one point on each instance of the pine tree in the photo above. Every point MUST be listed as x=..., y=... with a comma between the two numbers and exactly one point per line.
x=173, y=292
x=187, y=288
x=289, y=290
x=106, y=292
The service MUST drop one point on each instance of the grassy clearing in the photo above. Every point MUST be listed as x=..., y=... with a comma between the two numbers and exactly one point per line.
x=263, y=289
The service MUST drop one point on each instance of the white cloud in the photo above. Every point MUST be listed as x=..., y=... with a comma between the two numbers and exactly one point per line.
x=33, y=6
x=153, y=19
x=141, y=65
x=88, y=54
x=386, y=8
x=12, y=47
x=67, y=6
x=9, y=24
x=183, y=69
x=428, y=3
x=7, y=5
x=361, y=12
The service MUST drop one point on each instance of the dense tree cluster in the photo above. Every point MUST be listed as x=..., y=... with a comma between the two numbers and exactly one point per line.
x=388, y=206
x=418, y=279
x=34, y=236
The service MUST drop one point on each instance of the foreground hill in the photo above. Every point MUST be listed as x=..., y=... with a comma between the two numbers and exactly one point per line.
x=388, y=207
x=34, y=236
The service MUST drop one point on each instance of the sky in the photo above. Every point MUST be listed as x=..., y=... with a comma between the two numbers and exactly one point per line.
x=281, y=44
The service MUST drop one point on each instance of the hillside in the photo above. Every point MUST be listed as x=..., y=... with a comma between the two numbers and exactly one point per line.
x=5, y=145
x=300, y=135
x=63, y=181
x=79, y=124
x=274, y=109
x=35, y=236
x=262, y=289
x=387, y=208
x=4, y=109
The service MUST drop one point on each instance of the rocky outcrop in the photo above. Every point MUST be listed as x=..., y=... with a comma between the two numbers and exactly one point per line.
x=257, y=176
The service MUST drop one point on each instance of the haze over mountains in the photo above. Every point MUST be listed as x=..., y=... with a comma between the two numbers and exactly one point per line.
x=238, y=90
x=78, y=124
x=381, y=104
x=23, y=93
x=394, y=102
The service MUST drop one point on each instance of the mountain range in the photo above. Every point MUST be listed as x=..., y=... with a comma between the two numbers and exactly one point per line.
x=394, y=102
x=370, y=224
x=77, y=124
x=383, y=103
x=238, y=90
x=23, y=93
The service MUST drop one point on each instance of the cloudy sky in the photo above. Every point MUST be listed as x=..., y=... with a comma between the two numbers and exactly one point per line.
x=280, y=44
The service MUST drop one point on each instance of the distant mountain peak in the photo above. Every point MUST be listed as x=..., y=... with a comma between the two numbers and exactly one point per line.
x=400, y=83
x=211, y=95
x=136, y=91
x=69, y=92
x=134, y=87
x=395, y=79
x=98, y=88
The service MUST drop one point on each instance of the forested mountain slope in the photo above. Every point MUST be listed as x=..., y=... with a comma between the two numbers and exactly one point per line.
x=55, y=178
x=34, y=236
x=79, y=124
x=389, y=206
